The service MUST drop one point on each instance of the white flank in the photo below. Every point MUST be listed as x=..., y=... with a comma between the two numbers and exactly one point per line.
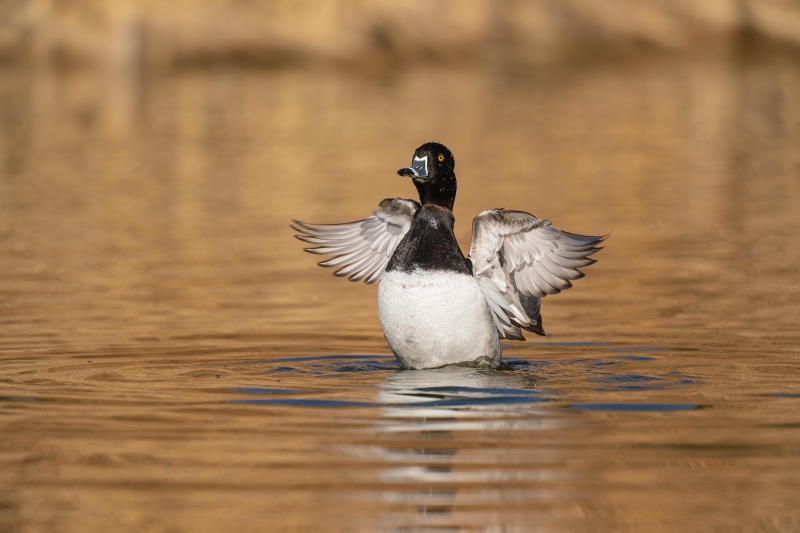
x=433, y=319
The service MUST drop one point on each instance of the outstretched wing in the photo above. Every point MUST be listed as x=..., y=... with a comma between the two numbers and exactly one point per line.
x=519, y=259
x=360, y=249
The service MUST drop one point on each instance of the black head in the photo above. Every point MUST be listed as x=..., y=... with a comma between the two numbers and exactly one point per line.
x=433, y=172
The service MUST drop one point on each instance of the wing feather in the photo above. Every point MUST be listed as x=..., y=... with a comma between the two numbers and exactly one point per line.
x=519, y=259
x=347, y=259
x=572, y=264
x=561, y=272
x=354, y=268
x=375, y=276
x=360, y=249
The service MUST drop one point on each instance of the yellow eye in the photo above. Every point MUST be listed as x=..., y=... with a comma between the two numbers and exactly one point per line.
x=441, y=158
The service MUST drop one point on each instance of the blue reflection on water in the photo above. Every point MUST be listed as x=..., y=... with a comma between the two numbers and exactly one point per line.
x=464, y=386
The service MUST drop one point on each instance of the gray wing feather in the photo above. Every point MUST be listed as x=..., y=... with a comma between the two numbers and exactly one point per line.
x=519, y=259
x=361, y=249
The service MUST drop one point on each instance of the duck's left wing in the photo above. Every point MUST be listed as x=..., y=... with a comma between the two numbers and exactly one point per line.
x=360, y=249
x=519, y=259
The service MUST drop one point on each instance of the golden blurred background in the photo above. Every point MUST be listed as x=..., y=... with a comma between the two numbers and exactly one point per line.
x=379, y=34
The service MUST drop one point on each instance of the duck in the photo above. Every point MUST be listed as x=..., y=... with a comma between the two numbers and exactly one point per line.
x=435, y=306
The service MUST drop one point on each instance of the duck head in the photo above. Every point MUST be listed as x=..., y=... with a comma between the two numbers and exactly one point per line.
x=433, y=172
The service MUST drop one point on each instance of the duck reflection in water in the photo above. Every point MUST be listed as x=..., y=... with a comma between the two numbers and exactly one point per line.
x=437, y=307
x=449, y=486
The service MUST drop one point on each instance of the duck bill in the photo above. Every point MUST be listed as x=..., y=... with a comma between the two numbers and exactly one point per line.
x=418, y=169
x=407, y=172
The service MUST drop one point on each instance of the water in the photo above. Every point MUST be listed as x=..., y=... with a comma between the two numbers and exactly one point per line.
x=171, y=360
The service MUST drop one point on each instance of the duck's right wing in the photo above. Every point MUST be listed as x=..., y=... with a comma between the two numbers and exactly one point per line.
x=519, y=259
x=360, y=249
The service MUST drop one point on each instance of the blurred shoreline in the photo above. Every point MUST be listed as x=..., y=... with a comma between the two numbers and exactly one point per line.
x=378, y=35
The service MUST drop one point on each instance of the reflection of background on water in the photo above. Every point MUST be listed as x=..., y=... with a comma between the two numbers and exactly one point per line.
x=157, y=229
x=204, y=168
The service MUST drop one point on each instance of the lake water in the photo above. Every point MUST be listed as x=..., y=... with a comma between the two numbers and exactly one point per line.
x=172, y=361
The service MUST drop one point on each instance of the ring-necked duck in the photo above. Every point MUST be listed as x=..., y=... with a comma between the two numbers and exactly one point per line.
x=437, y=307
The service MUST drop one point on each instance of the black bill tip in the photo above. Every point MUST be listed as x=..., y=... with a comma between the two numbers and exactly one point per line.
x=405, y=172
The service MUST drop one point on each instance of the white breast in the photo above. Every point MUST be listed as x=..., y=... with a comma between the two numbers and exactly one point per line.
x=432, y=319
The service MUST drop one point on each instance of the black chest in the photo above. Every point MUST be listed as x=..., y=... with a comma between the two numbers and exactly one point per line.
x=430, y=244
